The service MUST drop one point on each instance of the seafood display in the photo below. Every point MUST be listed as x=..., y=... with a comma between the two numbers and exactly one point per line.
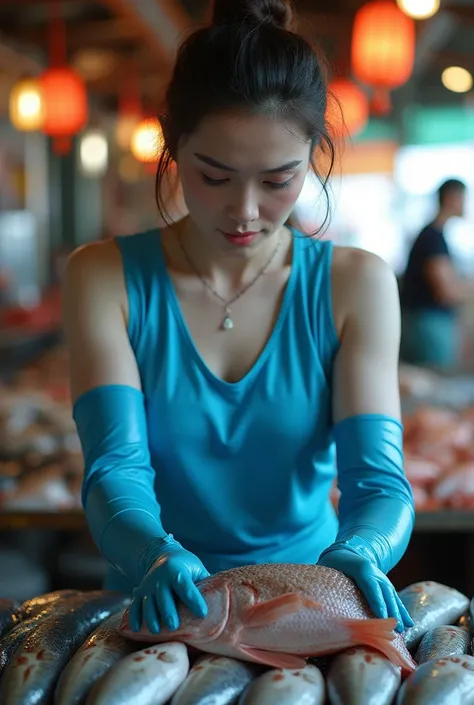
x=76, y=649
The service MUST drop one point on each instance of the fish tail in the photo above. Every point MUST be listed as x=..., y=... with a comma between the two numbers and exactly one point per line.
x=379, y=634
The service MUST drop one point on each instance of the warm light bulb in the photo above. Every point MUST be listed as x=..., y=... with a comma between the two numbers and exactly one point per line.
x=94, y=153
x=457, y=79
x=419, y=9
x=147, y=141
x=26, y=105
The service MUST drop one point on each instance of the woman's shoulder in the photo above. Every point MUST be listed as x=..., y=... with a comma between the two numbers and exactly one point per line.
x=357, y=277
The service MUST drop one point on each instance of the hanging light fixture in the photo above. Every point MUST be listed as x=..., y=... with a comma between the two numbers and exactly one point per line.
x=383, y=49
x=93, y=153
x=27, y=105
x=352, y=102
x=147, y=140
x=419, y=9
x=64, y=91
x=457, y=79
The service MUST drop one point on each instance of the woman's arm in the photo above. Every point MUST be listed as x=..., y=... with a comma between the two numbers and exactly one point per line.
x=118, y=493
x=376, y=508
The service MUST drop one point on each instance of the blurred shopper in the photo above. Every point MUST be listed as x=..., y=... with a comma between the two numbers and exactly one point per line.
x=431, y=291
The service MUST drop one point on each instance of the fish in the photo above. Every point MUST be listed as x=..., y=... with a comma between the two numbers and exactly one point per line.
x=430, y=605
x=362, y=676
x=100, y=651
x=440, y=682
x=20, y=631
x=302, y=686
x=33, y=671
x=8, y=615
x=280, y=614
x=442, y=642
x=216, y=680
x=35, y=605
x=147, y=677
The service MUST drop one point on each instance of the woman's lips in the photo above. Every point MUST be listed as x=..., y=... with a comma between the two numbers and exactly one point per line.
x=241, y=239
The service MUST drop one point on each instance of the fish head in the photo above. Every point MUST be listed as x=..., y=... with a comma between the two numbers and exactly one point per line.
x=192, y=630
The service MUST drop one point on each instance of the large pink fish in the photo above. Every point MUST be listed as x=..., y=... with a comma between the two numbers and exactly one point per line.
x=280, y=614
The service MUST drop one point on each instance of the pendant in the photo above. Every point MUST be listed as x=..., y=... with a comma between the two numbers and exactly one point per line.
x=227, y=323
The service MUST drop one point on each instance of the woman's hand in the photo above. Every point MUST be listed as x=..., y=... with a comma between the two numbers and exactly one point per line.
x=375, y=586
x=172, y=575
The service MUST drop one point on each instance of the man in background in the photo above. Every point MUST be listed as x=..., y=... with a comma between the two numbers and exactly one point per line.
x=431, y=291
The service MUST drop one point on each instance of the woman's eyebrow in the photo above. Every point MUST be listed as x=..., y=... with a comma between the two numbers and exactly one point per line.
x=212, y=162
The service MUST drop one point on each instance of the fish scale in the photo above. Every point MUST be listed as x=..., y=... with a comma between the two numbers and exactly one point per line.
x=441, y=642
x=31, y=675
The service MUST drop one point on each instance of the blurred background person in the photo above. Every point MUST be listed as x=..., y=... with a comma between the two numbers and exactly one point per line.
x=431, y=290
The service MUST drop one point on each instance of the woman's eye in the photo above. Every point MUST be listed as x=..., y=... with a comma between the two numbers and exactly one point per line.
x=276, y=185
x=213, y=182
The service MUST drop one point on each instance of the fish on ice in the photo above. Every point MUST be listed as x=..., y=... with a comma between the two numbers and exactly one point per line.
x=146, y=677
x=280, y=614
x=302, y=686
x=442, y=642
x=215, y=679
x=446, y=681
x=362, y=676
x=430, y=605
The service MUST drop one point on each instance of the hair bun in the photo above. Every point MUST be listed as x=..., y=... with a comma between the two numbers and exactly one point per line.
x=276, y=12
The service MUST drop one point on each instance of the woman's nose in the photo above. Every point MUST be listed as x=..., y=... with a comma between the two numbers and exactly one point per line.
x=244, y=207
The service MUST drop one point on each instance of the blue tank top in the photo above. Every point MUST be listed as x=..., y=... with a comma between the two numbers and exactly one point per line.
x=243, y=470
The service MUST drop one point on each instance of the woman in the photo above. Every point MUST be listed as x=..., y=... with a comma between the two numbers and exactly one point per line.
x=217, y=364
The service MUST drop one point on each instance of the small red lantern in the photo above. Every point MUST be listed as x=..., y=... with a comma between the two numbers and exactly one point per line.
x=65, y=105
x=352, y=102
x=383, y=49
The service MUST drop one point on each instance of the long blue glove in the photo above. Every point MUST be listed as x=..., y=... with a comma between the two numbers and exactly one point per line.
x=173, y=574
x=376, y=510
x=120, y=504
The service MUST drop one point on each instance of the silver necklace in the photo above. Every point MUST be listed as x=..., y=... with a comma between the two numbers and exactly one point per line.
x=228, y=321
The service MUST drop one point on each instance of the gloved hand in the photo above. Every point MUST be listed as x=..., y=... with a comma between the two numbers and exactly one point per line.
x=172, y=574
x=375, y=586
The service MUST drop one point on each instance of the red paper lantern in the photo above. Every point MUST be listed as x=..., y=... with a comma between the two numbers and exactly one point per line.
x=65, y=105
x=383, y=49
x=352, y=103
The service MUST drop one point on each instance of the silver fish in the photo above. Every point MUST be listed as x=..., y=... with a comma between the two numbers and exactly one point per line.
x=302, y=686
x=362, y=676
x=215, y=680
x=35, y=605
x=445, y=681
x=431, y=605
x=442, y=642
x=147, y=677
x=100, y=651
x=32, y=673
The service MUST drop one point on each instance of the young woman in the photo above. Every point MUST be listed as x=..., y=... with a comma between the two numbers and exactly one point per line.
x=218, y=364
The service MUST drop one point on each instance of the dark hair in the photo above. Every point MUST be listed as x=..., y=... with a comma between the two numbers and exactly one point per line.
x=248, y=58
x=448, y=187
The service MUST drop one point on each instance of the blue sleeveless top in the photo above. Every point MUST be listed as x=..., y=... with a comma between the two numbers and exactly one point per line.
x=243, y=470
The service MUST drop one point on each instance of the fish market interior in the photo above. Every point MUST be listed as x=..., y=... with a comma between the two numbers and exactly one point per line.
x=82, y=84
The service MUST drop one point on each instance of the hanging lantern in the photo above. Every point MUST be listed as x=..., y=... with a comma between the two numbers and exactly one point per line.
x=383, y=49
x=130, y=110
x=147, y=141
x=352, y=102
x=26, y=105
x=65, y=105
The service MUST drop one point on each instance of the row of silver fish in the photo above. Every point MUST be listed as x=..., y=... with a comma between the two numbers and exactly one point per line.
x=66, y=648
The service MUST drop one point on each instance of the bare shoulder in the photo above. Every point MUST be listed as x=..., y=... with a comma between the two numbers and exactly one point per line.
x=361, y=280
x=97, y=268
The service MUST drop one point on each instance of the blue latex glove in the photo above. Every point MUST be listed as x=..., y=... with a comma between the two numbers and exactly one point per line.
x=172, y=575
x=376, y=510
x=375, y=586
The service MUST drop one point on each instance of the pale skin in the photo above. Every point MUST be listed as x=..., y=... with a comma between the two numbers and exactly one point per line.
x=365, y=295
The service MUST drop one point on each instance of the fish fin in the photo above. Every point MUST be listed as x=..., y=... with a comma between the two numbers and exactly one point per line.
x=264, y=613
x=273, y=658
x=379, y=634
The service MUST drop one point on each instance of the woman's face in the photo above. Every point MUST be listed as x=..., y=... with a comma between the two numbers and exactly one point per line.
x=241, y=176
